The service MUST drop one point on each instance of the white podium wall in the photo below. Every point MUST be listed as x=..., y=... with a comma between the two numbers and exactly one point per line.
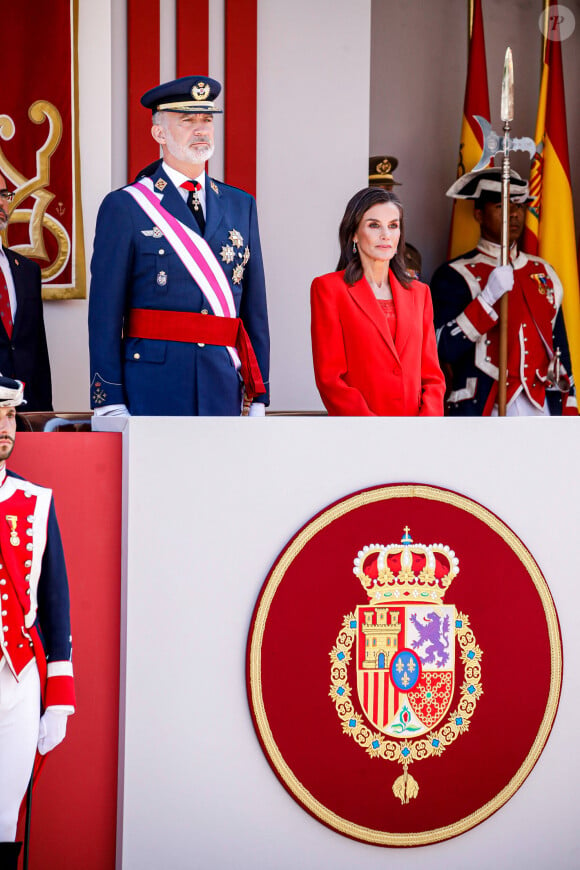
x=209, y=504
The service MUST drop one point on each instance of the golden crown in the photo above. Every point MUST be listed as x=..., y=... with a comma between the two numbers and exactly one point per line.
x=406, y=571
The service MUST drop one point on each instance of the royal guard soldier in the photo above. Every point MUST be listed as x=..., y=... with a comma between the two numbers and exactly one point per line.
x=466, y=293
x=36, y=678
x=178, y=322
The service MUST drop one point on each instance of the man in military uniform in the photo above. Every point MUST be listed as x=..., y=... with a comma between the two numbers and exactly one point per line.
x=466, y=294
x=35, y=642
x=178, y=322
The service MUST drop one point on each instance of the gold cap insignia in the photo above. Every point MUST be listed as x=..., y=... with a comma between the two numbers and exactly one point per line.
x=160, y=184
x=384, y=167
x=200, y=91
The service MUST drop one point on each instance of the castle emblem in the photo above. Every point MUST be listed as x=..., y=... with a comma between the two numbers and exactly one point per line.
x=403, y=648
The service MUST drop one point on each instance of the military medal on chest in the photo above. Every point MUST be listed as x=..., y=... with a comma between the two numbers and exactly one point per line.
x=406, y=646
x=544, y=285
x=13, y=526
x=154, y=233
x=232, y=249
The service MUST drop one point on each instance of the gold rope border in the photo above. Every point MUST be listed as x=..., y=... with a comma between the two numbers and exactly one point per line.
x=343, y=826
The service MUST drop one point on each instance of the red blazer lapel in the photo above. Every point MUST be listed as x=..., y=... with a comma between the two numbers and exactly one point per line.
x=404, y=300
x=364, y=297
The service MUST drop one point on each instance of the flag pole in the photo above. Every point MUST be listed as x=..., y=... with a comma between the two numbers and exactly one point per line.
x=544, y=33
x=507, y=115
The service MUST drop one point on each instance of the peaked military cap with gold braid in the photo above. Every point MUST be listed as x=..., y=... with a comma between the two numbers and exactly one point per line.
x=188, y=94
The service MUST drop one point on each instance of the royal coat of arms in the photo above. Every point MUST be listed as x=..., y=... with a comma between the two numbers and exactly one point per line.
x=418, y=728
x=404, y=643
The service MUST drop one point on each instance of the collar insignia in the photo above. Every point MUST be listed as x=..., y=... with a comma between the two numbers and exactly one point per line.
x=160, y=184
x=214, y=186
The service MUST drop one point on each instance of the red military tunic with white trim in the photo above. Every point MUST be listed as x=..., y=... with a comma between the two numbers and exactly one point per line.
x=34, y=613
x=534, y=303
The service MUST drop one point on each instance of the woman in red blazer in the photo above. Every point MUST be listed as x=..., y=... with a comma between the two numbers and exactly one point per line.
x=373, y=340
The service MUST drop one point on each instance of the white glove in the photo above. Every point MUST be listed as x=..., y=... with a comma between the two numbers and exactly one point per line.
x=500, y=281
x=112, y=411
x=52, y=730
x=257, y=409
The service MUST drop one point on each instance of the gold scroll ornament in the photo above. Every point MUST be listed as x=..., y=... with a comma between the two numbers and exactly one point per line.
x=37, y=218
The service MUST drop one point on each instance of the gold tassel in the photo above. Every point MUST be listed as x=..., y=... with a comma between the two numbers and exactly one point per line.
x=405, y=787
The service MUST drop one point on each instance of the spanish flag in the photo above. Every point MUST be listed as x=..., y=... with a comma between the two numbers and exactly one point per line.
x=550, y=228
x=530, y=239
x=464, y=231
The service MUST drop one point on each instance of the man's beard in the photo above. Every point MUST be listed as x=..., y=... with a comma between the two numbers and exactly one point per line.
x=197, y=152
x=6, y=450
x=202, y=152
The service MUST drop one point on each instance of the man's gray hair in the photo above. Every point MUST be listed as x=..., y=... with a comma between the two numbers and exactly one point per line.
x=159, y=118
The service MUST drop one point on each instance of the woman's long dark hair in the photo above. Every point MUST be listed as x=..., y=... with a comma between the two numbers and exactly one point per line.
x=355, y=211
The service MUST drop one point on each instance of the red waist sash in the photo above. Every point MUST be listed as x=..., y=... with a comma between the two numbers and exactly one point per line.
x=196, y=328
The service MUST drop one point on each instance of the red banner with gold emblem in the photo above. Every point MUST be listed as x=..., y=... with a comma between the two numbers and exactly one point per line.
x=39, y=147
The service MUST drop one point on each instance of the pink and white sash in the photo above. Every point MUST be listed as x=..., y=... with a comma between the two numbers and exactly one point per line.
x=193, y=251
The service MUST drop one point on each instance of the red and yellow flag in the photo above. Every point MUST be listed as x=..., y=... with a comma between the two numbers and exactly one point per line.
x=464, y=231
x=530, y=239
x=550, y=228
